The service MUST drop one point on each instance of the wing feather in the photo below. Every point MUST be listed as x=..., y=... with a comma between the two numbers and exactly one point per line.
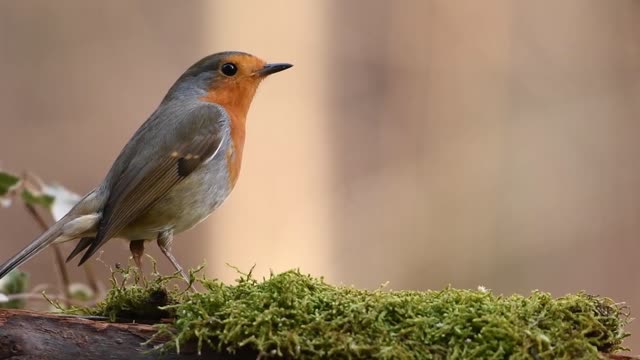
x=194, y=140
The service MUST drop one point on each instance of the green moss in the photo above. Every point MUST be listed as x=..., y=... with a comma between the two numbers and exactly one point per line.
x=298, y=316
x=136, y=299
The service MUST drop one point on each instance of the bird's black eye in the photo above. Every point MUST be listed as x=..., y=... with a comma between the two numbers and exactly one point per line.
x=229, y=69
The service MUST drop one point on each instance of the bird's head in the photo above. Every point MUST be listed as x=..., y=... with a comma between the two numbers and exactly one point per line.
x=228, y=78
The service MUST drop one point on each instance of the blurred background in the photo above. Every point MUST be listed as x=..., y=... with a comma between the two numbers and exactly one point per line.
x=424, y=143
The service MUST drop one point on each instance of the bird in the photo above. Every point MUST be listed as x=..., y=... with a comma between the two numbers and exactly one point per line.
x=176, y=169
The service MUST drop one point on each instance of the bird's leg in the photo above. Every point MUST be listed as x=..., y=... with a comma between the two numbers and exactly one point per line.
x=137, y=250
x=165, y=239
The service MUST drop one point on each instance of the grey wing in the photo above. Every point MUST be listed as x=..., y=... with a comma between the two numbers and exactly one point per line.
x=180, y=149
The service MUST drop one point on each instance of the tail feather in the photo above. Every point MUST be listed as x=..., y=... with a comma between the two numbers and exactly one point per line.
x=82, y=244
x=32, y=249
x=79, y=222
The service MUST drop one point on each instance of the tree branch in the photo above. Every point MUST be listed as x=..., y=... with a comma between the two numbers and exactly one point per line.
x=31, y=335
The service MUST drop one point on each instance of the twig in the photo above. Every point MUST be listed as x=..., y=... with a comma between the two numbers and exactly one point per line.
x=91, y=279
x=32, y=296
x=64, y=274
x=59, y=259
x=36, y=216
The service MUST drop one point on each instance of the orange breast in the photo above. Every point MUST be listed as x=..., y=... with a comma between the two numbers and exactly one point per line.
x=234, y=153
x=235, y=98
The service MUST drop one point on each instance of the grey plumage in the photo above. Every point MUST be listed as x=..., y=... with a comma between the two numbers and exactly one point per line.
x=171, y=174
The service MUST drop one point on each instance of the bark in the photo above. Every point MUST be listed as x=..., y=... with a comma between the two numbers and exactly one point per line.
x=28, y=335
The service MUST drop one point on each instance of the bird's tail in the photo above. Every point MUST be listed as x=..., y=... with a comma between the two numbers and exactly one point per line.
x=34, y=248
x=71, y=226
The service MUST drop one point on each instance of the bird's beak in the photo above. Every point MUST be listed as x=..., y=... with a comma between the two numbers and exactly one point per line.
x=269, y=69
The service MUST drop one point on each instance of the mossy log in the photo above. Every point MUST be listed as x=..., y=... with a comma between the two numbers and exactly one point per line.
x=295, y=316
x=26, y=335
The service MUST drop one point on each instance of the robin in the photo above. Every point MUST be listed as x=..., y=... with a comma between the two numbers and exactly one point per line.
x=178, y=167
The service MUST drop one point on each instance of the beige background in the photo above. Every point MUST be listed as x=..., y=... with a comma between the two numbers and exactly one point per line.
x=423, y=143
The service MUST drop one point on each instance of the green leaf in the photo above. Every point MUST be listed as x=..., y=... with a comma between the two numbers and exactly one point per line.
x=7, y=182
x=15, y=282
x=36, y=198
